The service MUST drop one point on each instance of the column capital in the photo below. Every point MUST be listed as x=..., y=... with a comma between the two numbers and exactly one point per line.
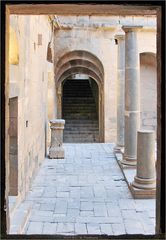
x=119, y=36
x=131, y=28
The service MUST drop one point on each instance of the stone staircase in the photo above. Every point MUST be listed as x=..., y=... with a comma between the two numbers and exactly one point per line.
x=80, y=113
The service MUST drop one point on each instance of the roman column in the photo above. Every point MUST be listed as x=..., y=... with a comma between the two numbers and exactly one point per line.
x=132, y=95
x=146, y=171
x=120, y=91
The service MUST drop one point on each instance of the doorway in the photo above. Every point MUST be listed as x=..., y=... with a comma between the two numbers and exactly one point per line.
x=80, y=109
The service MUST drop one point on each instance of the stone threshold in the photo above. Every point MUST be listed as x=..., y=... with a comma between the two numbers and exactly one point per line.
x=129, y=172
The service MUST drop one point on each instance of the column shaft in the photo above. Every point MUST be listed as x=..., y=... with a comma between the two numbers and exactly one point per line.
x=146, y=172
x=120, y=90
x=132, y=95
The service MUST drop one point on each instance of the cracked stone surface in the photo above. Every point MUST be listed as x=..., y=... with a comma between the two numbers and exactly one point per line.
x=86, y=193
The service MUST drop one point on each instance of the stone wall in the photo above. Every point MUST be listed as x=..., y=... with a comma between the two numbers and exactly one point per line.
x=148, y=77
x=28, y=82
x=96, y=35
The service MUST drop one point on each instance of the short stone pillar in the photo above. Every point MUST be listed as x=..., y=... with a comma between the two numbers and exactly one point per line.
x=56, y=149
x=145, y=179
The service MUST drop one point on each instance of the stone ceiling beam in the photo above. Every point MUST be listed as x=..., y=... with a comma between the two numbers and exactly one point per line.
x=83, y=9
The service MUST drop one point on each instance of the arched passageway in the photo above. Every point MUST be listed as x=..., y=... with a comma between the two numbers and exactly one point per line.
x=80, y=110
x=79, y=80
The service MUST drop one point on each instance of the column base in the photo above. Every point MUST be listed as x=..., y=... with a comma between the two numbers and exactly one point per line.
x=119, y=149
x=56, y=153
x=143, y=183
x=128, y=162
x=142, y=191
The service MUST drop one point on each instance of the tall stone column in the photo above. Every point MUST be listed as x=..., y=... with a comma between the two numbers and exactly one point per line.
x=56, y=149
x=132, y=94
x=120, y=91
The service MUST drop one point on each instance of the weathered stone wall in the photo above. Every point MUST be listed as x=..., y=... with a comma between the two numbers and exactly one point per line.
x=28, y=82
x=96, y=35
x=148, y=77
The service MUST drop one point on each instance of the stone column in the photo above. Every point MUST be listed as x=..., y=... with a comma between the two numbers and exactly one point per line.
x=132, y=95
x=56, y=149
x=120, y=91
x=146, y=171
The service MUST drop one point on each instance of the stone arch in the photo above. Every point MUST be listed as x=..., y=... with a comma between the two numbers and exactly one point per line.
x=81, y=62
x=148, y=87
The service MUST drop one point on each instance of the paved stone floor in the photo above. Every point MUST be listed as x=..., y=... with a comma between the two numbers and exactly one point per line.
x=85, y=193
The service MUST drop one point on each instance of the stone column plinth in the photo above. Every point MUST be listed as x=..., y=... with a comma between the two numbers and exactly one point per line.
x=146, y=171
x=120, y=91
x=56, y=149
x=132, y=95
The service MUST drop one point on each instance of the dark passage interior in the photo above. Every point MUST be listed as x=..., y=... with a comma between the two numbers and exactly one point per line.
x=80, y=110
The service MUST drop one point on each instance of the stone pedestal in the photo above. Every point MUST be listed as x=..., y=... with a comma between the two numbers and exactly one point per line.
x=56, y=149
x=132, y=95
x=145, y=180
x=120, y=92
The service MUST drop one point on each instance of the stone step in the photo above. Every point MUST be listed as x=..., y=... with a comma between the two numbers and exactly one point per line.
x=20, y=218
x=78, y=106
x=81, y=128
x=79, y=118
x=75, y=114
x=77, y=95
x=81, y=140
x=79, y=132
x=82, y=122
x=81, y=90
x=68, y=110
x=88, y=98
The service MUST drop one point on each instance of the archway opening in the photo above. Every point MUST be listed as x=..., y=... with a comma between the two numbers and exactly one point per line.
x=80, y=109
x=86, y=72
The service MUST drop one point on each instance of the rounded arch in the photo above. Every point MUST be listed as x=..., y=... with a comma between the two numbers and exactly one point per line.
x=81, y=62
x=80, y=55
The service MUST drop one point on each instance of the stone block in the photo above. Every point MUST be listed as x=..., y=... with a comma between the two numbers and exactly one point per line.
x=106, y=229
x=87, y=206
x=49, y=228
x=80, y=228
x=35, y=228
x=65, y=228
x=142, y=193
x=93, y=228
x=118, y=229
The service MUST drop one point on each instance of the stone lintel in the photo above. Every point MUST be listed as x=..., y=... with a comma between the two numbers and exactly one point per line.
x=131, y=28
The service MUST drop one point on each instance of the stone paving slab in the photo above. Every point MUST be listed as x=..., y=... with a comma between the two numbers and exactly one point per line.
x=86, y=193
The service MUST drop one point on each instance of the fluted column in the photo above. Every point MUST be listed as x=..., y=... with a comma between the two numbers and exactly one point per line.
x=132, y=94
x=120, y=91
x=56, y=149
